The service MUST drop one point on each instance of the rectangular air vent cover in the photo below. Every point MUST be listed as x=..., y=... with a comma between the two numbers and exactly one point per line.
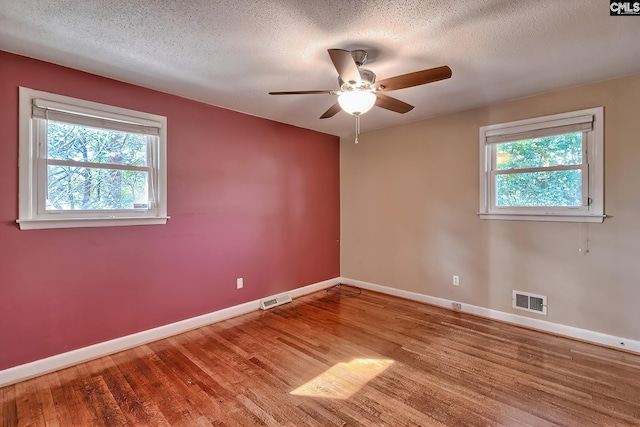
x=271, y=302
x=530, y=302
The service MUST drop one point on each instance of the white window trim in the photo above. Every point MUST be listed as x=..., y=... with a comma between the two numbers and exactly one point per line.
x=28, y=216
x=591, y=212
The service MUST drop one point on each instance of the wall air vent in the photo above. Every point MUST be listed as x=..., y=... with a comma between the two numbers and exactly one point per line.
x=530, y=302
x=271, y=302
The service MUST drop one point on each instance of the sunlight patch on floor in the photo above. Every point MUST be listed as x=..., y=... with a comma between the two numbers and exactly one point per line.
x=343, y=380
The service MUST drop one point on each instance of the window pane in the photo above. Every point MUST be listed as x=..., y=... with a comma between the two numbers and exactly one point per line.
x=540, y=152
x=85, y=144
x=557, y=188
x=76, y=188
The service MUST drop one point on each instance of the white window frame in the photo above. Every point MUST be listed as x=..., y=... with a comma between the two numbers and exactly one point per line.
x=32, y=168
x=590, y=122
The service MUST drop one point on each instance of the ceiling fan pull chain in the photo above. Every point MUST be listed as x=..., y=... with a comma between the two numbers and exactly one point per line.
x=357, y=127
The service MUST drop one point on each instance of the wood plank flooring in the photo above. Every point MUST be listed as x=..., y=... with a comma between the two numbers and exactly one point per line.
x=370, y=360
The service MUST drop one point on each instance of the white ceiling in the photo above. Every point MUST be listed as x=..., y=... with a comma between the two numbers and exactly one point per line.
x=231, y=53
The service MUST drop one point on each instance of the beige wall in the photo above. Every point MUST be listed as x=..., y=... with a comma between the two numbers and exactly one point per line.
x=409, y=197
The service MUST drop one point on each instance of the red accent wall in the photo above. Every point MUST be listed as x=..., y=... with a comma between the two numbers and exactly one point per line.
x=247, y=197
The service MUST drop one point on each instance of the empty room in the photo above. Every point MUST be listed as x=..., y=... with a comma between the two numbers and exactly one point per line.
x=306, y=213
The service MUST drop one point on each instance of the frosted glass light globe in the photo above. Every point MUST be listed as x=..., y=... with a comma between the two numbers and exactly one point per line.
x=356, y=102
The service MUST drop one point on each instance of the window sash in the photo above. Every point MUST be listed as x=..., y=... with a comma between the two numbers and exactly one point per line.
x=42, y=143
x=584, y=168
x=42, y=174
x=568, y=126
x=493, y=156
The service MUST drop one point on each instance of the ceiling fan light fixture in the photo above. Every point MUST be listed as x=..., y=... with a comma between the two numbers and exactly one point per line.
x=356, y=102
x=359, y=91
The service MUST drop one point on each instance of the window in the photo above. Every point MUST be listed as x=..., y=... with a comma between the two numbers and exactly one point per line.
x=544, y=169
x=84, y=164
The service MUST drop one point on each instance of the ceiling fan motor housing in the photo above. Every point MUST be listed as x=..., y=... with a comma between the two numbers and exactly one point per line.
x=367, y=79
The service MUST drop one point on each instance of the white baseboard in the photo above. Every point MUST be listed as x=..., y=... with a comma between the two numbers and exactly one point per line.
x=60, y=361
x=64, y=360
x=542, y=325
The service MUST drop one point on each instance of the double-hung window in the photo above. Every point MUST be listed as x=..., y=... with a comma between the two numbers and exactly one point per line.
x=544, y=169
x=84, y=164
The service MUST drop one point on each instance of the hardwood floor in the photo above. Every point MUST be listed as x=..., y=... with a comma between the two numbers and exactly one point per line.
x=370, y=360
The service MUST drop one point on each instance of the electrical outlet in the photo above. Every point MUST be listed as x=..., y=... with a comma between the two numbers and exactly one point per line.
x=456, y=280
x=456, y=306
x=239, y=283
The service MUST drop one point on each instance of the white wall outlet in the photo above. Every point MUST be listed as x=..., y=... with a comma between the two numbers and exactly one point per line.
x=456, y=306
x=239, y=283
x=456, y=280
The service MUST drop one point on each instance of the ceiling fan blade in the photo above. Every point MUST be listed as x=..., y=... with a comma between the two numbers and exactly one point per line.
x=335, y=108
x=414, y=79
x=345, y=65
x=304, y=92
x=392, y=104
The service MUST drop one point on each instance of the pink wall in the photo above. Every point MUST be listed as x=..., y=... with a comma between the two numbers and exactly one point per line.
x=247, y=197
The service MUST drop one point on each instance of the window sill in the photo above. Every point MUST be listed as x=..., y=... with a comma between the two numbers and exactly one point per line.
x=547, y=218
x=41, y=224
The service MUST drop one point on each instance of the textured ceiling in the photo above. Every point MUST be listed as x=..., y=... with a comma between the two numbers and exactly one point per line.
x=232, y=53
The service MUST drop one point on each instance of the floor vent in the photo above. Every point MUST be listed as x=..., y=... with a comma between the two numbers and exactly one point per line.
x=530, y=302
x=271, y=302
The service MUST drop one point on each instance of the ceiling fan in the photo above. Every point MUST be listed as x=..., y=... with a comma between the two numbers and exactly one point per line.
x=359, y=91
